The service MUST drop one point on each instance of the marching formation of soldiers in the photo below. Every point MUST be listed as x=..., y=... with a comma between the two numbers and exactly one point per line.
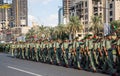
x=90, y=53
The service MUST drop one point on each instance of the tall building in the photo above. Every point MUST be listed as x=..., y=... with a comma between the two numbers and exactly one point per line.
x=20, y=12
x=99, y=9
x=66, y=10
x=60, y=16
x=1, y=1
x=114, y=10
x=85, y=9
x=1, y=11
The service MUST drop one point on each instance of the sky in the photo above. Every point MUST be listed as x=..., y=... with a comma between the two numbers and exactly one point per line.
x=43, y=12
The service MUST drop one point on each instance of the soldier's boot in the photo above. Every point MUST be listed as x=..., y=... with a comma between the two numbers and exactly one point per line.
x=111, y=68
x=12, y=53
x=26, y=54
x=57, y=60
x=33, y=55
x=44, y=59
x=23, y=54
x=92, y=65
x=37, y=56
x=66, y=62
x=40, y=57
x=78, y=65
x=51, y=61
x=86, y=65
x=95, y=57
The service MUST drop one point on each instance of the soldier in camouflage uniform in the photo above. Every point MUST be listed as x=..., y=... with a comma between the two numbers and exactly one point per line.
x=37, y=50
x=17, y=52
x=82, y=52
x=100, y=53
x=65, y=53
x=13, y=49
x=26, y=49
x=118, y=53
x=56, y=52
x=96, y=45
x=33, y=50
x=51, y=51
x=44, y=51
x=89, y=54
x=107, y=54
x=40, y=49
x=77, y=54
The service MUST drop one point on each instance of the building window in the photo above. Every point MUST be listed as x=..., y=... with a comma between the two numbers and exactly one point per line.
x=86, y=22
x=111, y=6
x=77, y=6
x=86, y=17
x=112, y=0
x=100, y=14
x=111, y=19
x=100, y=1
x=86, y=4
x=111, y=13
x=95, y=9
x=96, y=14
x=72, y=14
x=86, y=10
x=83, y=22
x=100, y=8
x=82, y=4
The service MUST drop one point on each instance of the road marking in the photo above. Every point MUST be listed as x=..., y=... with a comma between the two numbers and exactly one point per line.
x=24, y=71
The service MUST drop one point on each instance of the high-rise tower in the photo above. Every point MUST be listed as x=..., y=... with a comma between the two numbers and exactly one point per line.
x=20, y=12
x=60, y=15
x=66, y=10
x=1, y=11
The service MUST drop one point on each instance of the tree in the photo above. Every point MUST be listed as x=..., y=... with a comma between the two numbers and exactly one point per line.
x=96, y=26
x=60, y=32
x=41, y=31
x=115, y=26
x=51, y=32
x=30, y=34
x=74, y=26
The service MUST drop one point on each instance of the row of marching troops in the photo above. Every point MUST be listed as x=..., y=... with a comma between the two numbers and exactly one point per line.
x=89, y=53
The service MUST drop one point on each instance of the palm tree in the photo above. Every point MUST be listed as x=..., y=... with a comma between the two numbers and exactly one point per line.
x=74, y=26
x=51, y=32
x=30, y=34
x=96, y=26
x=41, y=31
x=59, y=31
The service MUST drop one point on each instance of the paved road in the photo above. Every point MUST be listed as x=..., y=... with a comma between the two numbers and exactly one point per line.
x=17, y=67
